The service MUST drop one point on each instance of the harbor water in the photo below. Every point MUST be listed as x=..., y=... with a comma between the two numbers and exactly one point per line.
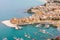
x=17, y=8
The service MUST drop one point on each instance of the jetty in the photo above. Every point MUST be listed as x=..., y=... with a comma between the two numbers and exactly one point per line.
x=47, y=13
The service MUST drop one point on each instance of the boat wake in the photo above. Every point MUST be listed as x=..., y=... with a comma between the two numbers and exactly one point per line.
x=7, y=23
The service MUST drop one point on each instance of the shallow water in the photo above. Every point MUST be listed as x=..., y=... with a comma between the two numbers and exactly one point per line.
x=17, y=8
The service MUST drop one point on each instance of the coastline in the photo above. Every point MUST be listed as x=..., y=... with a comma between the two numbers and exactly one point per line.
x=48, y=13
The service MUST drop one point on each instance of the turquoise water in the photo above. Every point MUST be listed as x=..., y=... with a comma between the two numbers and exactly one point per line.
x=17, y=8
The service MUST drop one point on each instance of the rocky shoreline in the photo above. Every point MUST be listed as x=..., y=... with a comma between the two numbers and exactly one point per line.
x=46, y=13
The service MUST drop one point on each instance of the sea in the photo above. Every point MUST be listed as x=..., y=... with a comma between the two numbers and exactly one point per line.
x=18, y=9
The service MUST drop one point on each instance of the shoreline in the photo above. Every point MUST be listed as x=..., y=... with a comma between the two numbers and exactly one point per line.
x=48, y=13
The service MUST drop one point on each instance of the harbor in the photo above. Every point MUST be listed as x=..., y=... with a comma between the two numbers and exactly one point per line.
x=30, y=20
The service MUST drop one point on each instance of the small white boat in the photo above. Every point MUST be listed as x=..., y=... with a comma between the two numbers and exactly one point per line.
x=20, y=27
x=47, y=25
x=39, y=25
x=43, y=31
